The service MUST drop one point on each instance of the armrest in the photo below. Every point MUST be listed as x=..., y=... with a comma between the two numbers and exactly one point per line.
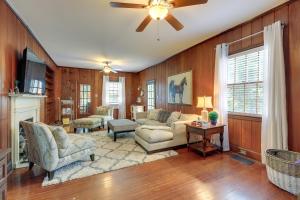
x=141, y=115
x=179, y=127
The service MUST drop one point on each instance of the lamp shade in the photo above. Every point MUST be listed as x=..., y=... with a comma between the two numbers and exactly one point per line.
x=204, y=102
x=139, y=100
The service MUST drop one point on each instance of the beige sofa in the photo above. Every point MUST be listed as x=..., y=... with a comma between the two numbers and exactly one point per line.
x=154, y=136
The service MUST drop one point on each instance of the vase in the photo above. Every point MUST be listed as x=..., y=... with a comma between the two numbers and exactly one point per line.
x=214, y=122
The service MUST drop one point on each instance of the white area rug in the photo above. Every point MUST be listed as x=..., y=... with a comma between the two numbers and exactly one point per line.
x=109, y=156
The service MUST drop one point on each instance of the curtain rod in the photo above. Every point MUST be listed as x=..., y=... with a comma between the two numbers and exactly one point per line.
x=249, y=36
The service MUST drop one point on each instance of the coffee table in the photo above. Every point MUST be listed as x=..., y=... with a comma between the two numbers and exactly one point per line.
x=121, y=126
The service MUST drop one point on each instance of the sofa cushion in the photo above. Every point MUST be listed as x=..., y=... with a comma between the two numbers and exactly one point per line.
x=163, y=116
x=77, y=144
x=61, y=137
x=153, y=114
x=173, y=118
x=104, y=118
x=87, y=122
x=153, y=123
x=154, y=136
x=188, y=117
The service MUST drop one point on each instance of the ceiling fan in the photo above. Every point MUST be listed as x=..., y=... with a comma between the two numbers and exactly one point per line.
x=107, y=68
x=159, y=10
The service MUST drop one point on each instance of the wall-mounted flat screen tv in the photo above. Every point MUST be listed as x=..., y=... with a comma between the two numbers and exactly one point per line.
x=31, y=74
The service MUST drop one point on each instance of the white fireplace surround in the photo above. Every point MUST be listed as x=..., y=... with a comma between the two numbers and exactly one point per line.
x=23, y=107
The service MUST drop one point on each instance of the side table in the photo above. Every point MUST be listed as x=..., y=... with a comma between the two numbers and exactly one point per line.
x=206, y=132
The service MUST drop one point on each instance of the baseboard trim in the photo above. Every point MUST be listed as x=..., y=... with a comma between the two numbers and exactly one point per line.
x=248, y=153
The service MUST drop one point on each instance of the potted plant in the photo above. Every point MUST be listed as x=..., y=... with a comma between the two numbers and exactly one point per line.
x=213, y=117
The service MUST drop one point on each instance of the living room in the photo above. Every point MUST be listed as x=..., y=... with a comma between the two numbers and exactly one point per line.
x=149, y=99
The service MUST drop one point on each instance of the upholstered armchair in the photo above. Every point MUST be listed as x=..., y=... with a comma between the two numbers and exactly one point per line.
x=51, y=147
x=104, y=112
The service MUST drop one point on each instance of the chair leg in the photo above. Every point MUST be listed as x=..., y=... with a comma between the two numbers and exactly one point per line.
x=50, y=175
x=92, y=156
x=31, y=164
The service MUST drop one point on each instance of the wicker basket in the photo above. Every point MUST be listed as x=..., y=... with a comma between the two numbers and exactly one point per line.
x=282, y=170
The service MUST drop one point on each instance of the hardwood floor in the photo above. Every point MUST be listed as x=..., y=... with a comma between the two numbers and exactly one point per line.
x=186, y=176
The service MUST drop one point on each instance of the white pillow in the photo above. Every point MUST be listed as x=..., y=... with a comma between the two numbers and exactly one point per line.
x=61, y=137
x=173, y=118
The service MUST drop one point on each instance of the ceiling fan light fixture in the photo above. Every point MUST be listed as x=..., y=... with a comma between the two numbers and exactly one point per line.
x=159, y=10
x=106, y=70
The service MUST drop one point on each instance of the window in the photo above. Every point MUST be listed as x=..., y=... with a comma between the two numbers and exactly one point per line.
x=85, y=98
x=113, y=93
x=151, y=94
x=245, y=82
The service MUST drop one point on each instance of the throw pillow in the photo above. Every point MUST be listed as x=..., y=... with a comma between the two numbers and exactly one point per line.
x=173, y=118
x=153, y=114
x=61, y=137
x=102, y=110
x=163, y=116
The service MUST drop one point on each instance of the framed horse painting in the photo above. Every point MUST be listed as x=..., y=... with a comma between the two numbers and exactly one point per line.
x=180, y=88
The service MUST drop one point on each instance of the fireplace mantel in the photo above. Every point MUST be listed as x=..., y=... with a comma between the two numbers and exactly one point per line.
x=23, y=107
x=26, y=96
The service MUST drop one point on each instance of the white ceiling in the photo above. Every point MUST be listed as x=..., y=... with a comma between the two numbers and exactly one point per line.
x=83, y=33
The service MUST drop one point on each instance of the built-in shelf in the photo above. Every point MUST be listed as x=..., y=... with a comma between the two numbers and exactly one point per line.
x=50, y=101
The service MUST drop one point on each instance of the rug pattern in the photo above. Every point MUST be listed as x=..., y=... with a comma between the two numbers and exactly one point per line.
x=109, y=156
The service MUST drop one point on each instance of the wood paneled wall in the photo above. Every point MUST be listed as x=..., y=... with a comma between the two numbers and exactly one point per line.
x=201, y=59
x=72, y=77
x=14, y=38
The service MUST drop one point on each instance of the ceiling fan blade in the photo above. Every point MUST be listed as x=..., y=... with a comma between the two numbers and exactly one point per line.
x=126, y=5
x=174, y=22
x=144, y=24
x=183, y=3
x=113, y=71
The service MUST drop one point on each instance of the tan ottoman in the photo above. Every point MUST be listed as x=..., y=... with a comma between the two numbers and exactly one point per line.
x=121, y=126
x=87, y=123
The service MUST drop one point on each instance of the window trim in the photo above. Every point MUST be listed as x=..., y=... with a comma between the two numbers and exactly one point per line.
x=154, y=93
x=249, y=51
x=245, y=114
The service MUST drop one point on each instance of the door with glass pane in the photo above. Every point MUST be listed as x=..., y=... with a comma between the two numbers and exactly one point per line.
x=85, y=99
x=151, y=95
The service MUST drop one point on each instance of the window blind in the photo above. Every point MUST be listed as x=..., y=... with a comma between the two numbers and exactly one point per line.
x=245, y=82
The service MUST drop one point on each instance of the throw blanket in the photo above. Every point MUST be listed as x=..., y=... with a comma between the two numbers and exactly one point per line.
x=155, y=127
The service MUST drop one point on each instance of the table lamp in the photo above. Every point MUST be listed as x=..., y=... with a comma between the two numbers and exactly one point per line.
x=139, y=100
x=204, y=103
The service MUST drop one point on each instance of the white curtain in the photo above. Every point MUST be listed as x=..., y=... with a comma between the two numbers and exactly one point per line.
x=220, y=93
x=274, y=119
x=122, y=100
x=104, y=90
